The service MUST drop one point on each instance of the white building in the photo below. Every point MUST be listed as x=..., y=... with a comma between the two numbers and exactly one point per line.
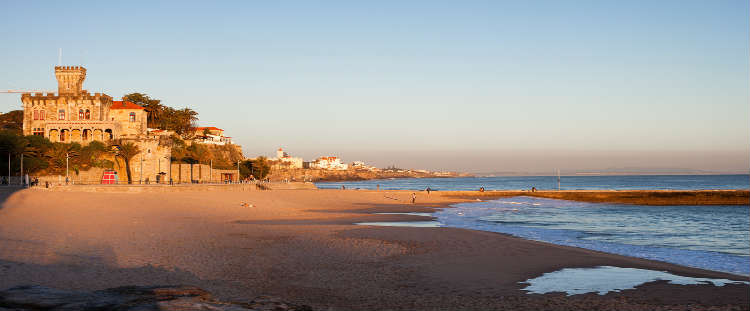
x=285, y=160
x=360, y=165
x=329, y=163
x=211, y=135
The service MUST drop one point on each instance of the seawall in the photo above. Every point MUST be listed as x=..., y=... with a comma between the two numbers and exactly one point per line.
x=641, y=197
x=181, y=187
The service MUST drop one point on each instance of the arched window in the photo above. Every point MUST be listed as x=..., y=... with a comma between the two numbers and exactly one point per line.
x=88, y=114
x=61, y=114
x=41, y=115
x=132, y=117
x=36, y=114
x=80, y=114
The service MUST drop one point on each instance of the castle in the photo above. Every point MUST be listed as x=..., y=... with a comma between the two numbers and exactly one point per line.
x=75, y=115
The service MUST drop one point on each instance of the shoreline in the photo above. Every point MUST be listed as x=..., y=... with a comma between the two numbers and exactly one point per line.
x=301, y=245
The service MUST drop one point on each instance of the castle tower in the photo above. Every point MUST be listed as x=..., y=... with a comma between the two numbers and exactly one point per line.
x=69, y=80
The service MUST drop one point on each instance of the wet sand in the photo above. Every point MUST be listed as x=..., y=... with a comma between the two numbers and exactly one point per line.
x=301, y=245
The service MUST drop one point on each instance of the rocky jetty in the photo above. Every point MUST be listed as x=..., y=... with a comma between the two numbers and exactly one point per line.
x=131, y=298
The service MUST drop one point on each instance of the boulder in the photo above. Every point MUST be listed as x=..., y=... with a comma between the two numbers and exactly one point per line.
x=131, y=298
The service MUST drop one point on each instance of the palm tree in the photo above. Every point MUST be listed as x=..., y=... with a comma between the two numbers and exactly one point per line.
x=126, y=152
x=186, y=118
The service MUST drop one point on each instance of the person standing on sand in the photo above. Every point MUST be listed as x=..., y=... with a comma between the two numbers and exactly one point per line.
x=413, y=198
x=428, y=190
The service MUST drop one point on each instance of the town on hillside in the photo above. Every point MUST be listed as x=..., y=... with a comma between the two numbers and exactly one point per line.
x=284, y=167
x=75, y=137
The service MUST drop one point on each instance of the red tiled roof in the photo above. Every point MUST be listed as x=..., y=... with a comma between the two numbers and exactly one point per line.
x=210, y=128
x=117, y=104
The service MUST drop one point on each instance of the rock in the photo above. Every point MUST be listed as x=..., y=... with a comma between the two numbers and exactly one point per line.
x=130, y=298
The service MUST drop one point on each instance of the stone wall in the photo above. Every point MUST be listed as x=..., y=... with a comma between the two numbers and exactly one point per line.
x=200, y=173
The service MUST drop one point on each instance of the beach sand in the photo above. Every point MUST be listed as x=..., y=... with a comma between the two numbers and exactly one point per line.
x=302, y=246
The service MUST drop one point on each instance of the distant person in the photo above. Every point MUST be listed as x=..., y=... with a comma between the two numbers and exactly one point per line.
x=428, y=190
x=481, y=189
x=343, y=187
x=413, y=198
x=377, y=187
x=533, y=189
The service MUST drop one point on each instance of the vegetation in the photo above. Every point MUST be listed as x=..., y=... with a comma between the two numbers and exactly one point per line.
x=223, y=156
x=182, y=121
x=42, y=156
x=12, y=121
x=258, y=168
x=126, y=152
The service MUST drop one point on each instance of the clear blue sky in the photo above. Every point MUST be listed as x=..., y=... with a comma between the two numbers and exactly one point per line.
x=469, y=85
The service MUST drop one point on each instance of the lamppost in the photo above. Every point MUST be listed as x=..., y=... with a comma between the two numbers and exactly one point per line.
x=67, y=157
x=238, y=170
x=140, y=175
x=169, y=162
x=211, y=172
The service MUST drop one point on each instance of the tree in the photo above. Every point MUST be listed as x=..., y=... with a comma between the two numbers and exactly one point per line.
x=126, y=152
x=260, y=167
x=12, y=121
x=186, y=119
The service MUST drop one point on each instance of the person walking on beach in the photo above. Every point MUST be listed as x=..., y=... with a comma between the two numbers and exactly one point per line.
x=413, y=198
x=428, y=190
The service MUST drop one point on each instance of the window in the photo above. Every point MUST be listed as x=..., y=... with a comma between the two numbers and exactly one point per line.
x=132, y=117
x=88, y=114
x=61, y=115
x=41, y=115
x=38, y=132
x=80, y=114
x=36, y=114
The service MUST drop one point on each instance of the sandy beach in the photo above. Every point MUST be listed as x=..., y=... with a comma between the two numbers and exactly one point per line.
x=303, y=246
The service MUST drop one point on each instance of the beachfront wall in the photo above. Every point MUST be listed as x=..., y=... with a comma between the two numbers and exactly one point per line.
x=181, y=173
x=200, y=173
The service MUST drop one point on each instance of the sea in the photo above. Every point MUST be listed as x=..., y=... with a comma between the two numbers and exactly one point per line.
x=714, y=237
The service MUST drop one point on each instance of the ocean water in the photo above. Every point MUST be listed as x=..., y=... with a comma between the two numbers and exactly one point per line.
x=624, y=182
x=709, y=237
x=605, y=279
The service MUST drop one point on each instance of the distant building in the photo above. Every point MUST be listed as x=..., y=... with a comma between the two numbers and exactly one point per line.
x=328, y=163
x=360, y=165
x=286, y=161
x=211, y=135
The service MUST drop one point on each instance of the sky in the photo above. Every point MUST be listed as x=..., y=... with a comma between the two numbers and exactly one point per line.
x=476, y=86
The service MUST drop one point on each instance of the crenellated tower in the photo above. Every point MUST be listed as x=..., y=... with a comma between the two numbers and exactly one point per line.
x=70, y=80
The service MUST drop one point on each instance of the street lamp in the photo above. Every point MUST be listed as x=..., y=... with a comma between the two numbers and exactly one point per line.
x=67, y=170
x=140, y=175
x=169, y=162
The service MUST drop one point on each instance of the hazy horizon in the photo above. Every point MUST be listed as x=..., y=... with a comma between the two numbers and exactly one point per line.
x=480, y=86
